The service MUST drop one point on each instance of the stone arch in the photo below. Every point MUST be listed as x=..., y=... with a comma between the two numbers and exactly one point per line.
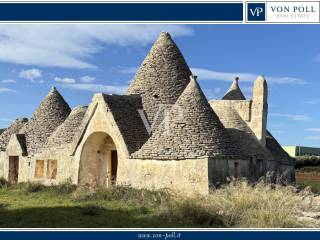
x=98, y=161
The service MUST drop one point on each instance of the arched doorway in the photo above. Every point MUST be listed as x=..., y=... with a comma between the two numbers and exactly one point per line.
x=98, y=161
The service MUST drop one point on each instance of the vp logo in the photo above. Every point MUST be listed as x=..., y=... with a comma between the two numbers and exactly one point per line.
x=256, y=12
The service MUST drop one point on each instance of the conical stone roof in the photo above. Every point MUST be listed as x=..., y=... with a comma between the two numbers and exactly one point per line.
x=234, y=92
x=65, y=133
x=52, y=112
x=277, y=151
x=14, y=128
x=162, y=76
x=191, y=130
x=240, y=132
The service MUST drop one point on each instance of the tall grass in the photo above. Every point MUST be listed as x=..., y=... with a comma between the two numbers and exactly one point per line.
x=237, y=204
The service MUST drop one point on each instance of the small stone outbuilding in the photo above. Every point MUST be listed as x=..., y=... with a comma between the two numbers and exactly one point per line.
x=162, y=133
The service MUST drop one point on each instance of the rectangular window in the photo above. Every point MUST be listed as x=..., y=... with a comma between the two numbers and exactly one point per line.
x=39, y=172
x=52, y=169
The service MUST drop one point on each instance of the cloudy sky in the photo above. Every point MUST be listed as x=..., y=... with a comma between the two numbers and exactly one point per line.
x=83, y=59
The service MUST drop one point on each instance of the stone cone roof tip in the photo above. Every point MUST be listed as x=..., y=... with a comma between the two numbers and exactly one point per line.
x=190, y=130
x=53, y=89
x=65, y=133
x=14, y=128
x=234, y=92
x=162, y=76
x=52, y=112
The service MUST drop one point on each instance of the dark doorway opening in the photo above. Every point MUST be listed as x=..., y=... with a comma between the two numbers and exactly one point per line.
x=114, y=166
x=13, y=169
x=236, y=170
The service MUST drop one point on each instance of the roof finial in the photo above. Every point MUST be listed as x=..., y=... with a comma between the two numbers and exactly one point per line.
x=53, y=88
x=193, y=77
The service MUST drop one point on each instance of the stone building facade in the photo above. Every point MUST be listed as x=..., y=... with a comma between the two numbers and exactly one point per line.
x=162, y=133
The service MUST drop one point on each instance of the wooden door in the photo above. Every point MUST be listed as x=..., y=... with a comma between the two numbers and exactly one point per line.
x=13, y=169
x=114, y=166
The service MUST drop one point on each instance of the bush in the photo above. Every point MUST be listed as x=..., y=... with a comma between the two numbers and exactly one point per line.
x=31, y=187
x=4, y=183
x=125, y=194
x=307, y=161
x=64, y=188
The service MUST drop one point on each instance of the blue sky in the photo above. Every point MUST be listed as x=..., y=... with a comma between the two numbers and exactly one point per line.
x=83, y=59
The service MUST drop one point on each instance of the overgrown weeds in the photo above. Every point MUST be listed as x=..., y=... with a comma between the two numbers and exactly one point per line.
x=240, y=204
x=4, y=183
x=237, y=204
x=145, y=197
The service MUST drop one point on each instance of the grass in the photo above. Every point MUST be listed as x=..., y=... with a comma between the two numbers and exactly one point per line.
x=314, y=185
x=235, y=205
x=309, y=176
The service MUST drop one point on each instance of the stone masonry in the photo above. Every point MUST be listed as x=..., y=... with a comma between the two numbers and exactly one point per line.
x=162, y=133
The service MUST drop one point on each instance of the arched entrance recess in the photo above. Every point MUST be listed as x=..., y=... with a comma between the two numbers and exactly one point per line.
x=98, y=161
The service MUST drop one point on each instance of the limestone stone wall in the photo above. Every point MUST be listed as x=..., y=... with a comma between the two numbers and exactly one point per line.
x=64, y=166
x=189, y=175
x=2, y=160
x=259, y=109
x=102, y=121
x=243, y=107
x=220, y=169
x=286, y=173
x=254, y=112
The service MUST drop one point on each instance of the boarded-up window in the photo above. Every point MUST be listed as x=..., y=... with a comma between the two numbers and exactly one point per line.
x=39, y=173
x=52, y=169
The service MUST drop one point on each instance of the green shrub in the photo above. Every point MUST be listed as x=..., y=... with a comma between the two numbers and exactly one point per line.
x=64, y=188
x=307, y=161
x=4, y=183
x=123, y=193
x=33, y=187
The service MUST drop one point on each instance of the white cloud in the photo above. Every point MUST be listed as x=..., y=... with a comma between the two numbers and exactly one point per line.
x=87, y=79
x=313, y=129
x=7, y=90
x=205, y=74
x=96, y=88
x=30, y=74
x=72, y=46
x=313, y=138
x=312, y=101
x=294, y=117
x=8, y=81
x=128, y=70
x=212, y=93
x=64, y=80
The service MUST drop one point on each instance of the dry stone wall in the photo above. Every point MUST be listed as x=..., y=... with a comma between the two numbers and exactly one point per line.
x=192, y=130
x=13, y=129
x=162, y=76
x=50, y=114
